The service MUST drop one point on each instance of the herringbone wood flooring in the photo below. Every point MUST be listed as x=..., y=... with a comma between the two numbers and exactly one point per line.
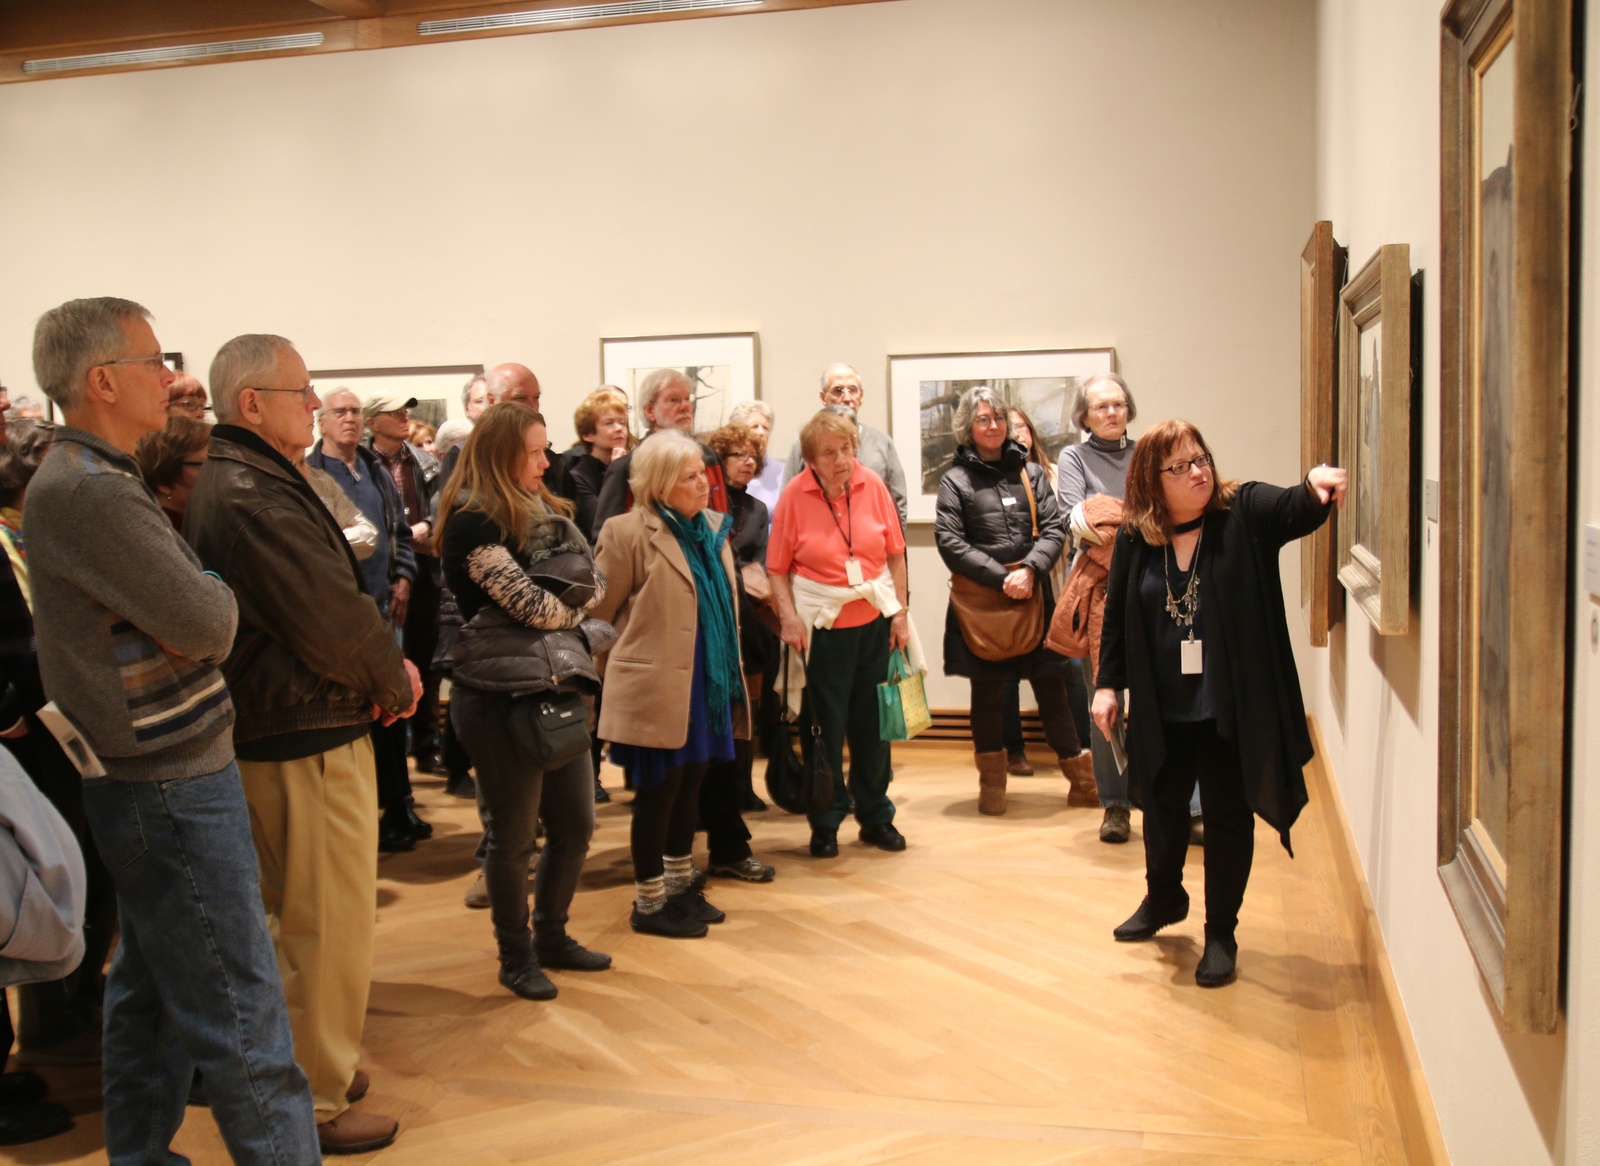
x=958, y=1001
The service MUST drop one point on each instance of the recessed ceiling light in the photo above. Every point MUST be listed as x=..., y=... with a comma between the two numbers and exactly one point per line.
x=221, y=48
x=605, y=11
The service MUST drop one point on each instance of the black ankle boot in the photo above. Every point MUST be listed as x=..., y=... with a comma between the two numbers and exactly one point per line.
x=1218, y=964
x=519, y=969
x=1150, y=918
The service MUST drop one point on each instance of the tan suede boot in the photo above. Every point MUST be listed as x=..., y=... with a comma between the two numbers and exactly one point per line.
x=991, y=782
x=1079, y=772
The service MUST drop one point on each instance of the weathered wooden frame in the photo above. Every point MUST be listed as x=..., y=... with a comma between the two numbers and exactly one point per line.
x=1509, y=905
x=1378, y=578
x=1322, y=268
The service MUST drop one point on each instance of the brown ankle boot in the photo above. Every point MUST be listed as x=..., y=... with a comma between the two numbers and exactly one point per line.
x=1079, y=772
x=991, y=782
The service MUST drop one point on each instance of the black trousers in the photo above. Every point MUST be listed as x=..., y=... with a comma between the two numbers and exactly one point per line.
x=513, y=794
x=394, y=779
x=722, y=795
x=62, y=1009
x=1197, y=753
x=664, y=818
x=421, y=638
x=988, y=715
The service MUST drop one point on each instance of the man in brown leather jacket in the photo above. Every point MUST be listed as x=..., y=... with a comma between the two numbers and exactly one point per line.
x=312, y=665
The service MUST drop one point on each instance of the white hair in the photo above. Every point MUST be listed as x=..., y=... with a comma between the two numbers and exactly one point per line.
x=655, y=384
x=838, y=366
x=655, y=466
x=452, y=432
x=737, y=415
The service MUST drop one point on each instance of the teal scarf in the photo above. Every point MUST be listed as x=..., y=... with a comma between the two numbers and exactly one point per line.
x=702, y=546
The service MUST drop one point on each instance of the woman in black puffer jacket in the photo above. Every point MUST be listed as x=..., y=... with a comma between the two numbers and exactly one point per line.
x=991, y=532
x=525, y=645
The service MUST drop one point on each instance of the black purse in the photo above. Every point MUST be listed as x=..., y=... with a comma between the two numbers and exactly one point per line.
x=800, y=783
x=553, y=726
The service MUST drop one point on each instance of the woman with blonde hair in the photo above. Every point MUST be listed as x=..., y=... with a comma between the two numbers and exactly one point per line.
x=601, y=422
x=675, y=696
x=1195, y=631
x=522, y=576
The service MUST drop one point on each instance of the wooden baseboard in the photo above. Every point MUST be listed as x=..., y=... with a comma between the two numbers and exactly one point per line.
x=1419, y=1123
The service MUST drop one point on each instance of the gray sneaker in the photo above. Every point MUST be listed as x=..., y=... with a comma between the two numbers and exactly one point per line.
x=751, y=870
x=1115, y=826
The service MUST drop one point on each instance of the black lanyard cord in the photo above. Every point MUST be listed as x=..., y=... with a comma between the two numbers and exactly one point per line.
x=846, y=531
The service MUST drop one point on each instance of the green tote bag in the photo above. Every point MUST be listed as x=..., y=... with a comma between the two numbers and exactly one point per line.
x=902, y=703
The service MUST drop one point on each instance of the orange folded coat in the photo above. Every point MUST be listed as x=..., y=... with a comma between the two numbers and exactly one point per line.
x=1075, y=628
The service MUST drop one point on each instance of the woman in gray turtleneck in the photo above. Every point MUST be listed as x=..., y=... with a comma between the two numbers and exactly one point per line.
x=1102, y=408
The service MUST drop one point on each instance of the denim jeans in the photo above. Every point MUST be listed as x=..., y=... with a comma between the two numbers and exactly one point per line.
x=194, y=982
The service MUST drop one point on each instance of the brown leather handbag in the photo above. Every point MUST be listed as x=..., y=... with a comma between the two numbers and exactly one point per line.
x=995, y=626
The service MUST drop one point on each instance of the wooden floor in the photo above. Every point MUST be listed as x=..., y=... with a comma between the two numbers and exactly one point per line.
x=962, y=1002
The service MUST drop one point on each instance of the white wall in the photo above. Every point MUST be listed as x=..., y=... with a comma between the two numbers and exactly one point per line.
x=921, y=176
x=1501, y=1099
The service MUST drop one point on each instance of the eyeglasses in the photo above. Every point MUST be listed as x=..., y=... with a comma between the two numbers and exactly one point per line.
x=1178, y=469
x=839, y=392
x=307, y=394
x=989, y=422
x=158, y=358
x=194, y=465
x=1110, y=407
x=742, y=456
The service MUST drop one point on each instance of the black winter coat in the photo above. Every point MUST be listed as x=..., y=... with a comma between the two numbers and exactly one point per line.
x=981, y=523
x=1255, y=684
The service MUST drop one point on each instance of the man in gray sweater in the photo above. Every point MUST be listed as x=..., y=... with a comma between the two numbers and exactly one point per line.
x=131, y=631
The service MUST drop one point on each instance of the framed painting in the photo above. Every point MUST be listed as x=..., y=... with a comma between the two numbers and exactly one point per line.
x=1506, y=91
x=723, y=367
x=924, y=392
x=437, y=387
x=1321, y=278
x=1375, y=438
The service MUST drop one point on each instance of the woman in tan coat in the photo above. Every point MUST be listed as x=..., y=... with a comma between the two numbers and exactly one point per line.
x=674, y=682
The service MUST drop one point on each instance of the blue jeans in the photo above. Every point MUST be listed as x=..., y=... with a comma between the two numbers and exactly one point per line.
x=194, y=983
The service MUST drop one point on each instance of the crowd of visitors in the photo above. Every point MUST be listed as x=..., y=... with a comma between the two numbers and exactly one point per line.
x=228, y=609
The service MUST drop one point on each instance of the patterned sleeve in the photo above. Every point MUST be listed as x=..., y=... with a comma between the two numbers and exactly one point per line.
x=503, y=580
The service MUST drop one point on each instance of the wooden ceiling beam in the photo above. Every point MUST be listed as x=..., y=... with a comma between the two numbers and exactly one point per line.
x=351, y=32
x=355, y=9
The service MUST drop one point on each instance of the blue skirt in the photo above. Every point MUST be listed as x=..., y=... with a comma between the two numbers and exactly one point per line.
x=647, y=767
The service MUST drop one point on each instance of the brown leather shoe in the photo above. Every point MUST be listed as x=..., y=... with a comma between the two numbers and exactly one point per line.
x=356, y=1133
x=991, y=782
x=359, y=1084
x=1079, y=772
x=1018, y=765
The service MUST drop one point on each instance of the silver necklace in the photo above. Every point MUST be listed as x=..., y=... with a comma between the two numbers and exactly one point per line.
x=1183, y=608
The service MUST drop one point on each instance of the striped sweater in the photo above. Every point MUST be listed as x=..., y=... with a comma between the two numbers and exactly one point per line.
x=130, y=631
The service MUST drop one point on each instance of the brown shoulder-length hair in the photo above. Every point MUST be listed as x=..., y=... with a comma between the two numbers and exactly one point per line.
x=1144, y=503
x=485, y=479
x=161, y=454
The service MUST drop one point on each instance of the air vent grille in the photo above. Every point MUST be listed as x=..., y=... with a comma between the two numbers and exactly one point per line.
x=222, y=48
x=613, y=10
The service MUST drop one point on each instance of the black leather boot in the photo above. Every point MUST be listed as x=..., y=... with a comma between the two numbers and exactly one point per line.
x=519, y=969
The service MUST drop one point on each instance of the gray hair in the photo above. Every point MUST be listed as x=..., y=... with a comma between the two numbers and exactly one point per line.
x=967, y=409
x=655, y=384
x=466, y=390
x=70, y=340
x=451, y=432
x=1080, y=399
x=737, y=415
x=238, y=363
x=327, y=398
x=655, y=465
x=827, y=373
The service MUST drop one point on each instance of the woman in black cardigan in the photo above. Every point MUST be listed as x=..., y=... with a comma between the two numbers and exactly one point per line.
x=1195, y=630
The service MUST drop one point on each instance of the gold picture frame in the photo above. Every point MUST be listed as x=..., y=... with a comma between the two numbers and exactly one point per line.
x=1374, y=532
x=1506, y=89
x=1322, y=266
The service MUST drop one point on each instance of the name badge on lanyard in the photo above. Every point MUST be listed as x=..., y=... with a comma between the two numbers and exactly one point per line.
x=852, y=572
x=1189, y=658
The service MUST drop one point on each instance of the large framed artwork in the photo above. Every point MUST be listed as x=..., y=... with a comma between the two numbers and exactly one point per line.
x=1506, y=90
x=437, y=387
x=1375, y=438
x=924, y=391
x=1321, y=277
x=723, y=367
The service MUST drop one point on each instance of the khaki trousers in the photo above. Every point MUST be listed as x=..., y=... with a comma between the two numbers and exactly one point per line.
x=315, y=826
